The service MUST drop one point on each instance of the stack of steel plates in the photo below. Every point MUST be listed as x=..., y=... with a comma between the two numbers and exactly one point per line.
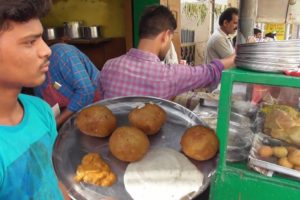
x=276, y=56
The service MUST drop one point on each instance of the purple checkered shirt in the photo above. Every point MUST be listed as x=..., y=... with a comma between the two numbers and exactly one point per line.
x=142, y=73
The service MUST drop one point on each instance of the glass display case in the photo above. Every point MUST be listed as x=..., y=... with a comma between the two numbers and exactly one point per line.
x=259, y=131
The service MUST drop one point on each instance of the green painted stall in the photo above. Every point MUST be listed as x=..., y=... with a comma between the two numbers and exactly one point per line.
x=138, y=8
x=234, y=180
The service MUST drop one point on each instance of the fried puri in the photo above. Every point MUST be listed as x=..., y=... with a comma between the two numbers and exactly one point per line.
x=128, y=143
x=96, y=121
x=199, y=143
x=149, y=118
x=265, y=151
x=294, y=157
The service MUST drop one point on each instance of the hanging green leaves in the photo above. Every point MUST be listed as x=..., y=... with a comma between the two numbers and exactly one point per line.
x=195, y=11
x=219, y=8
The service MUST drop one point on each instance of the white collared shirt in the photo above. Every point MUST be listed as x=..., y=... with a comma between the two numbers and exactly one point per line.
x=219, y=46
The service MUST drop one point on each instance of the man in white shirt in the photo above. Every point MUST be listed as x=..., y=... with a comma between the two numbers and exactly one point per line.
x=219, y=44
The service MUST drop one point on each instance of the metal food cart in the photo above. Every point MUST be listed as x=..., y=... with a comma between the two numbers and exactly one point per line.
x=234, y=180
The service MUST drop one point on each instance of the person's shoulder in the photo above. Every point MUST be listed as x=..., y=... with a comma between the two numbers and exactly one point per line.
x=115, y=60
x=215, y=37
x=219, y=37
x=34, y=102
x=62, y=49
x=217, y=33
x=30, y=98
x=61, y=46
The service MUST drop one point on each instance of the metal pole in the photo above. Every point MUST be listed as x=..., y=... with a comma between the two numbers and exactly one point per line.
x=247, y=17
x=212, y=16
x=287, y=31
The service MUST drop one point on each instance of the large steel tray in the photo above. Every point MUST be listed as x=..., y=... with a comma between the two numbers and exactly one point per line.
x=72, y=145
x=280, y=48
x=265, y=67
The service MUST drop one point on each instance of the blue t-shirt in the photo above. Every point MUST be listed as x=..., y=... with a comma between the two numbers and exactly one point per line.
x=26, y=169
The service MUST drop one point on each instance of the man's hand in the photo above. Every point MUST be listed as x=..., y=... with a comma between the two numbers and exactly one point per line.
x=229, y=61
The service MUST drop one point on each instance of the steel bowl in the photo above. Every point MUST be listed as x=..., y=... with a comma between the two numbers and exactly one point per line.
x=90, y=32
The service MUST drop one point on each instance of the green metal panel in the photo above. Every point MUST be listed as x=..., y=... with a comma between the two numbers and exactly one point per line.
x=240, y=75
x=138, y=7
x=234, y=180
x=242, y=184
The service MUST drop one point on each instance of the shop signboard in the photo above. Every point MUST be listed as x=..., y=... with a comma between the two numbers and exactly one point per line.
x=278, y=28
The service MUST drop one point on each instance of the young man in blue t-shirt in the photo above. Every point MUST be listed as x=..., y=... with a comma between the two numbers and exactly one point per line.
x=27, y=124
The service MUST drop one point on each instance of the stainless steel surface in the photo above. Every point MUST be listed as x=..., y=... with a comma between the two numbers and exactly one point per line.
x=90, y=32
x=263, y=58
x=281, y=50
x=71, y=145
x=73, y=29
x=264, y=67
x=269, y=63
x=262, y=53
x=274, y=167
x=278, y=47
x=275, y=56
x=268, y=163
x=282, y=43
x=50, y=33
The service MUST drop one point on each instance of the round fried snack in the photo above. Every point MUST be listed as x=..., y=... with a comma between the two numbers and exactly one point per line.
x=96, y=121
x=294, y=157
x=297, y=168
x=128, y=143
x=285, y=162
x=291, y=149
x=149, y=118
x=265, y=151
x=199, y=143
x=280, y=152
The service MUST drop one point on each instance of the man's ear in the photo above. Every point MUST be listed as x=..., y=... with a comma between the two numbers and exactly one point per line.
x=164, y=36
x=225, y=22
x=167, y=35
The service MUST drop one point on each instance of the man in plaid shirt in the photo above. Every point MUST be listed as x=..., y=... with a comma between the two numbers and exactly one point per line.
x=141, y=72
x=72, y=81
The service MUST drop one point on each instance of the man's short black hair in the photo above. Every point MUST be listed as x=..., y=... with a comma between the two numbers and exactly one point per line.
x=155, y=20
x=271, y=35
x=22, y=10
x=256, y=31
x=227, y=15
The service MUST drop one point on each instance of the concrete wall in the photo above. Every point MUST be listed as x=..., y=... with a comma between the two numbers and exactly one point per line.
x=109, y=14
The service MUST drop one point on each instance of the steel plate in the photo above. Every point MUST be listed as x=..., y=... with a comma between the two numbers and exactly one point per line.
x=265, y=67
x=271, y=44
x=267, y=59
x=71, y=145
x=290, y=47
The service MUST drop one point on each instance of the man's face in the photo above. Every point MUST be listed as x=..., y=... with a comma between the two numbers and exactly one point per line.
x=258, y=35
x=230, y=27
x=23, y=55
